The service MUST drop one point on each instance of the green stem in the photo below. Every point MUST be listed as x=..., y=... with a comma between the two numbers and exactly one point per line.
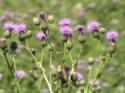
x=42, y=69
x=64, y=51
x=80, y=53
x=28, y=49
x=89, y=77
x=8, y=64
x=44, y=74
x=50, y=67
x=100, y=69
x=16, y=80
x=72, y=68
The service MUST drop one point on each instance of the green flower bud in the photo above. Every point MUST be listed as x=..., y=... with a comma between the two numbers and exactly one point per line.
x=44, y=26
x=102, y=30
x=112, y=48
x=81, y=39
x=7, y=34
x=44, y=43
x=91, y=60
x=64, y=39
x=97, y=89
x=3, y=44
x=96, y=34
x=36, y=21
x=28, y=33
x=50, y=47
x=50, y=19
x=82, y=82
x=38, y=64
x=22, y=37
x=69, y=44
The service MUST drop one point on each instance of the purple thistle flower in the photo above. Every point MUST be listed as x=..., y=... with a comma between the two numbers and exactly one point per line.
x=42, y=15
x=79, y=76
x=95, y=82
x=20, y=28
x=65, y=22
x=112, y=35
x=41, y=36
x=80, y=28
x=9, y=26
x=66, y=31
x=93, y=26
x=2, y=18
x=9, y=14
x=20, y=74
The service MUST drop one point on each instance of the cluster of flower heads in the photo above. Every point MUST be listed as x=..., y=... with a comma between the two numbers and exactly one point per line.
x=19, y=27
x=92, y=26
x=6, y=15
x=41, y=35
x=65, y=27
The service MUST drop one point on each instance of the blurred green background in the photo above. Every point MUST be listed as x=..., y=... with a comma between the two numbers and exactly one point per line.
x=110, y=13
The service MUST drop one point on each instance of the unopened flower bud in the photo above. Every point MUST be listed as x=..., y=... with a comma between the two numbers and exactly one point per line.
x=36, y=21
x=96, y=34
x=34, y=73
x=28, y=33
x=42, y=15
x=64, y=39
x=3, y=43
x=102, y=30
x=97, y=89
x=50, y=19
x=91, y=60
x=7, y=34
x=50, y=47
x=81, y=39
x=38, y=64
x=103, y=58
x=44, y=26
x=80, y=83
x=13, y=46
x=112, y=48
x=33, y=50
x=69, y=44
x=43, y=43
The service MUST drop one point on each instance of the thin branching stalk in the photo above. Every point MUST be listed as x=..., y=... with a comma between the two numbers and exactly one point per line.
x=50, y=63
x=72, y=68
x=89, y=78
x=8, y=64
x=16, y=80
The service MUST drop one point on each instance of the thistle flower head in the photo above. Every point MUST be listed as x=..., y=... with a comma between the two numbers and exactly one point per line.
x=20, y=28
x=20, y=74
x=80, y=28
x=41, y=36
x=65, y=22
x=2, y=17
x=66, y=31
x=93, y=26
x=79, y=76
x=42, y=15
x=112, y=35
x=9, y=26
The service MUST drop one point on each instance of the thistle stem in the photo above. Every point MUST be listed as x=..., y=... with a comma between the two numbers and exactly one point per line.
x=50, y=67
x=8, y=64
x=44, y=74
x=16, y=80
x=73, y=65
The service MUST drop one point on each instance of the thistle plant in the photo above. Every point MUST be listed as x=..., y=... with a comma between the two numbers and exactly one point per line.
x=59, y=78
